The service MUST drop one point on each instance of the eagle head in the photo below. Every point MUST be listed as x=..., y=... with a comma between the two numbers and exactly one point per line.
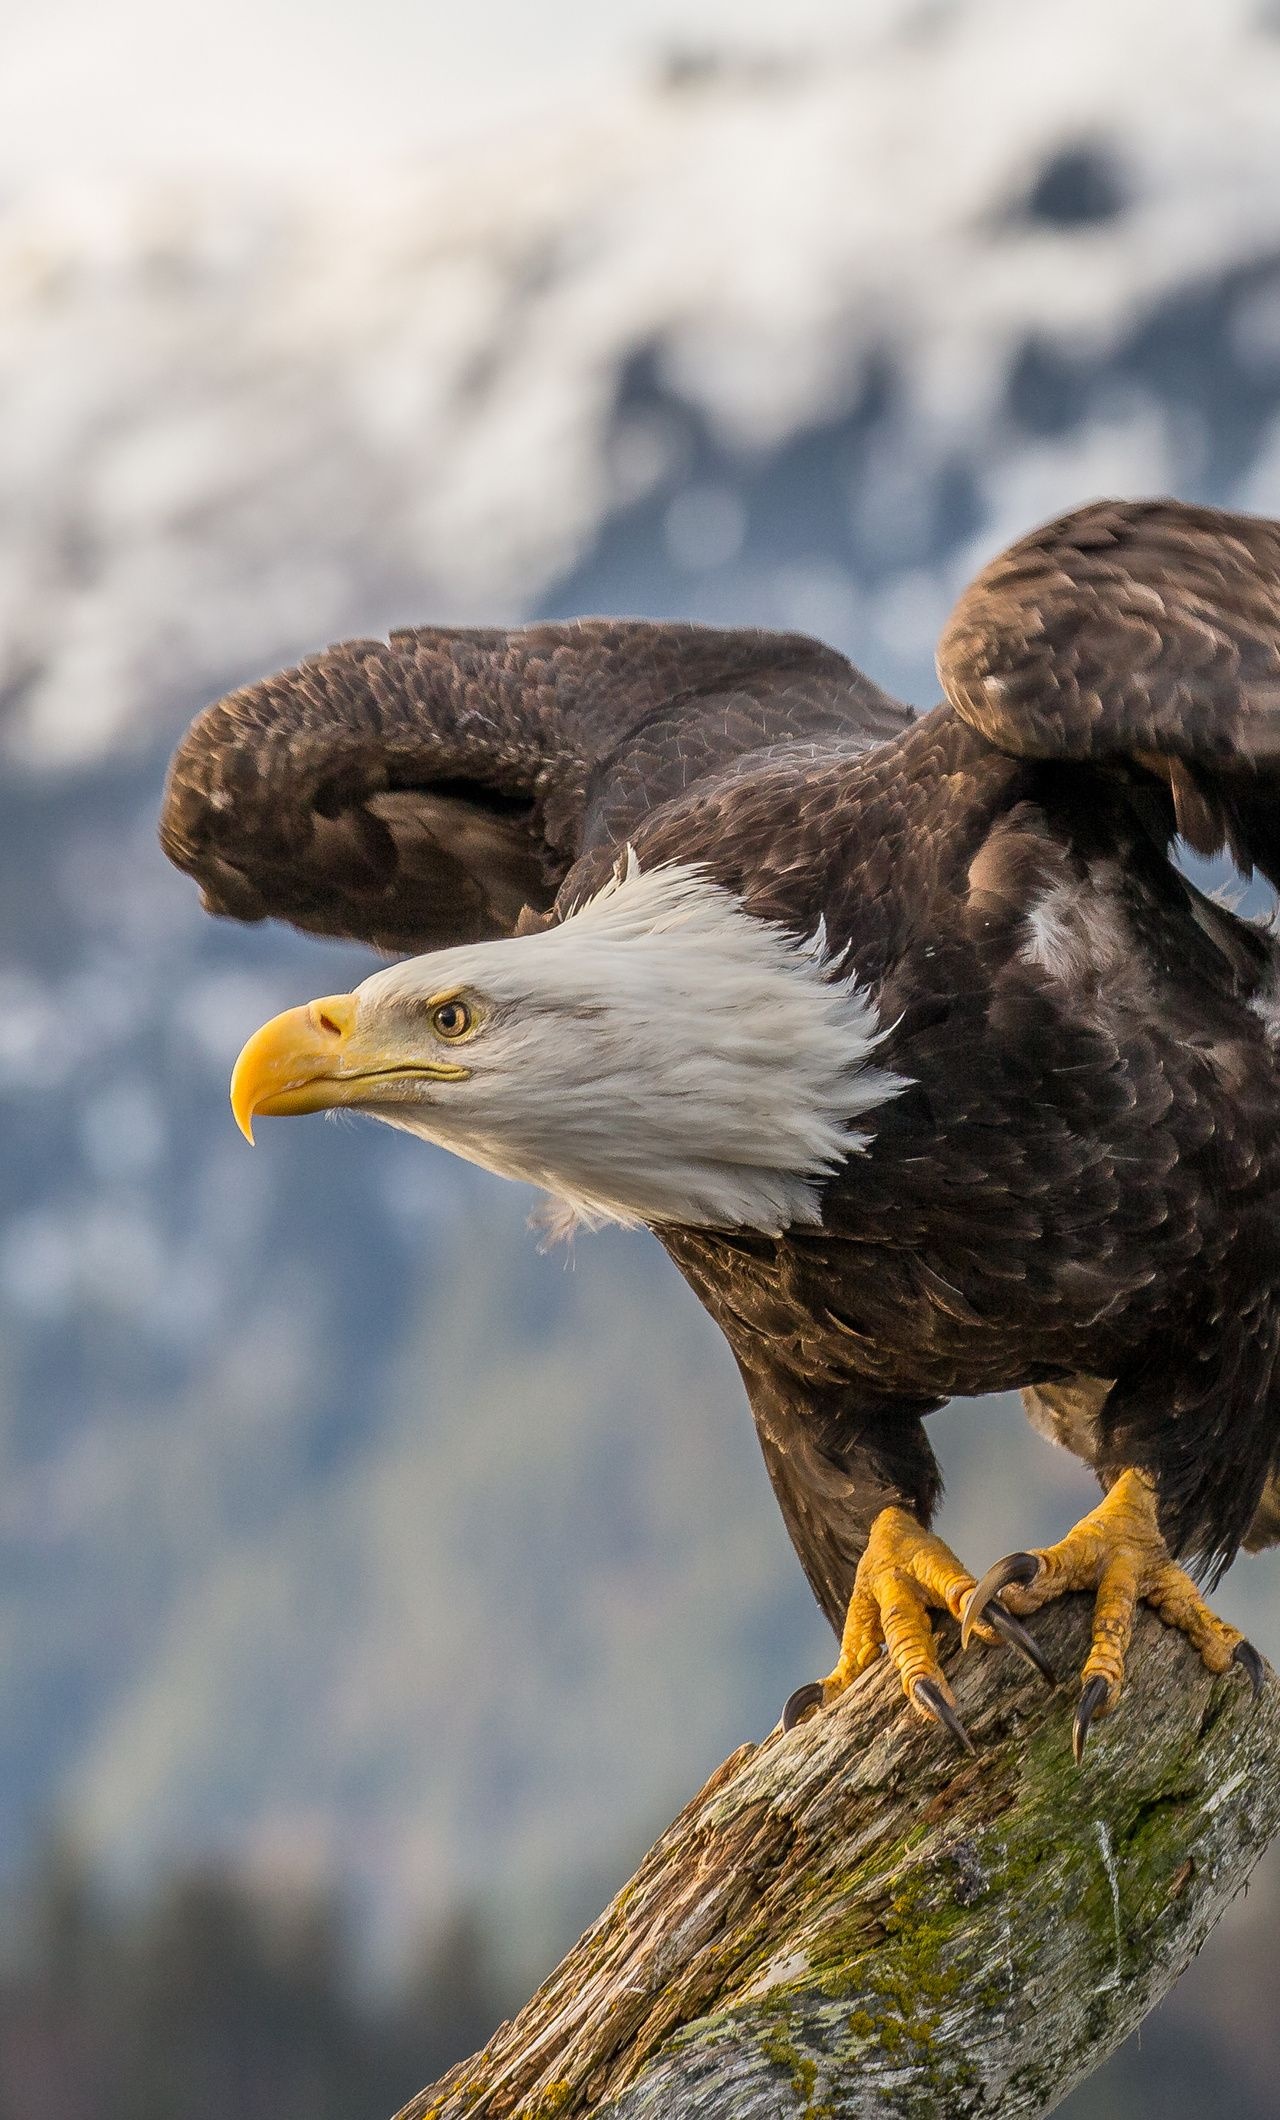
x=661, y=1056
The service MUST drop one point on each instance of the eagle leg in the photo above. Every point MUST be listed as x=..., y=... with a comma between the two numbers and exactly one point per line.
x=904, y=1571
x=1117, y=1552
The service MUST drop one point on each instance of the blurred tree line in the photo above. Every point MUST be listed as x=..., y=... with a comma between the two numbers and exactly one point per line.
x=212, y=1998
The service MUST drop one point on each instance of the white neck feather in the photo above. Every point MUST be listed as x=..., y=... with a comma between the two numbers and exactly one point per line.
x=660, y=1056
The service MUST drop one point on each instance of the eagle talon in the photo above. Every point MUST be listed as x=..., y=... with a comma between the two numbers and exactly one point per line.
x=1092, y=1695
x=1116, y=1552
x=931, y=1699
x=1020, y=1568
x=1249, y=1660
x=1018, y=1637
x=801, y=1702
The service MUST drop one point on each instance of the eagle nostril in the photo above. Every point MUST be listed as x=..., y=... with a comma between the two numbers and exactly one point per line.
x=332, y=1015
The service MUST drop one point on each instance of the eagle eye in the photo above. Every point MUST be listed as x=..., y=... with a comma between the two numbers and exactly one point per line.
x=451, y=1019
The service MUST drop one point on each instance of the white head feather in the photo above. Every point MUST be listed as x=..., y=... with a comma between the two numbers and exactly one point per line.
x=660, y=1056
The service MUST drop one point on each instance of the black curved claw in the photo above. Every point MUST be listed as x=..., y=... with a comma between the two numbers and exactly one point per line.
x=1249, y=1660
x=1091, y=1698
x=800, y=1702
x=1018, y=1637
x=1014, y=1568
x=934, y=1702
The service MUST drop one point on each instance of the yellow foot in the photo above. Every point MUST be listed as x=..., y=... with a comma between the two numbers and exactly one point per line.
x=1117, y=1552
x=904, y=1571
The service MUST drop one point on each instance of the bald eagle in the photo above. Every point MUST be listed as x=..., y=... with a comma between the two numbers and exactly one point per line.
x=904, y=1034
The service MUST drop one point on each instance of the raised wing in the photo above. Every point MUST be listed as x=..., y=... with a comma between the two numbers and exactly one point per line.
x=425, y=790
x=1138, y=633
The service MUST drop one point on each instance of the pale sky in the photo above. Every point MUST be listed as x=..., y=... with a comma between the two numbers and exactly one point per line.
x=311, y=86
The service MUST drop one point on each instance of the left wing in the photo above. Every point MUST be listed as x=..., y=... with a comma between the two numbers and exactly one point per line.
x=424, y=790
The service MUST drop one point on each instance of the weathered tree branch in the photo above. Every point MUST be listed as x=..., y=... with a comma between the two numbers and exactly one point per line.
x=857, y=1919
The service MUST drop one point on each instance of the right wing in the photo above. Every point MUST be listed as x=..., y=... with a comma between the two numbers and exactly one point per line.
x=1143, y=635
x=425, y=790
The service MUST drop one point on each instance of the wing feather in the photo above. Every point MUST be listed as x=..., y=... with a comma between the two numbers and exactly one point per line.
x=425, y=789
x=1143, y=636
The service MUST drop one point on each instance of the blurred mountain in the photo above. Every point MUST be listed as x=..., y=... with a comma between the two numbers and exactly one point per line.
x=346, y=1535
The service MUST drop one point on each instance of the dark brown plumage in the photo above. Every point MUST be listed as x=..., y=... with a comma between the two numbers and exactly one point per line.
x=427, y=788
x=1082, y=1181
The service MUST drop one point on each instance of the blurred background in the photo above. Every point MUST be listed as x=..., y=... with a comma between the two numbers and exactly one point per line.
x=375, y=1586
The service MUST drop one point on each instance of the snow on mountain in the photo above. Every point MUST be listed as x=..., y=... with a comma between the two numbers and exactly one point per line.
x=231, y=424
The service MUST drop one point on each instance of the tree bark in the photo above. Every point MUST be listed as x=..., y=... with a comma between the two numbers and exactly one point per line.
x=857, y=1918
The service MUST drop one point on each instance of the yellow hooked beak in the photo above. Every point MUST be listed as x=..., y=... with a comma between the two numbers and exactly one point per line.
x=312, y=1058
